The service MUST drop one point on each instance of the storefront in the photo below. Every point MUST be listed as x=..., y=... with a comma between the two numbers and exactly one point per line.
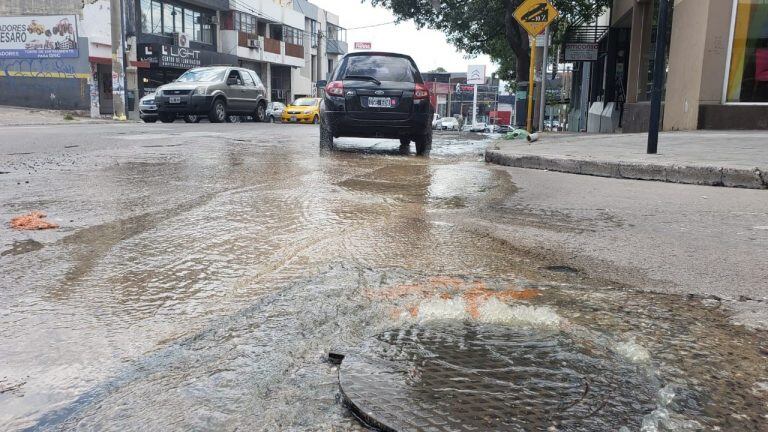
x=160, y=64
x=747, y=67
x=174, y=36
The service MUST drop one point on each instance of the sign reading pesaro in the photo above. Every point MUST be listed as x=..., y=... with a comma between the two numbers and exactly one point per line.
x=45, y=36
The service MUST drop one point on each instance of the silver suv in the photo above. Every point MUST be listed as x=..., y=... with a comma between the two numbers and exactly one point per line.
x=220, y=92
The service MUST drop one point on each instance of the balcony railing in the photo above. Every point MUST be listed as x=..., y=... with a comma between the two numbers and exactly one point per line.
x=336, y=46
x=294, y=50
x=272, y=46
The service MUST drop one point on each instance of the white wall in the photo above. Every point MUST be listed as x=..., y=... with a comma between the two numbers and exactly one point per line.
x=95, y=24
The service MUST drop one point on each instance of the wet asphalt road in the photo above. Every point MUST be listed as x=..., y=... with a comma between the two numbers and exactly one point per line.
x=201, y=273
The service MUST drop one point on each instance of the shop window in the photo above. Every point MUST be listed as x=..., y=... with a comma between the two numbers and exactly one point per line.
x=293, y=36
x=336, y=33
x=276, y=32
x=151, y=17
x=748, y=69
x=313, y=32
x=189, y=21
x=245, y=23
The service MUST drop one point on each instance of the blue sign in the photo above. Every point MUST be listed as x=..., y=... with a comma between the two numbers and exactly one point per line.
x=36, y=37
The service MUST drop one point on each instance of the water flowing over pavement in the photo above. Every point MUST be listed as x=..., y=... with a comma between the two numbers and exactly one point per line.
x=202, y=273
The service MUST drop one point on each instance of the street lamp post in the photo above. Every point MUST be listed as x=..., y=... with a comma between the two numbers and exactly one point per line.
x=659, y=69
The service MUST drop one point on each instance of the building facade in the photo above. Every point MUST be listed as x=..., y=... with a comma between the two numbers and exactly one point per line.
x=717, y=67
x=43, y=55
x=291, y=44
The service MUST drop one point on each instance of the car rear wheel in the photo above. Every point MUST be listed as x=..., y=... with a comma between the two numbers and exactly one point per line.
x=167, y=118
x=192, y=118
x=218, y=113
x=326, y=138
x=234, y=119
x=261, y=113
x=423, y=144
x=316, y=120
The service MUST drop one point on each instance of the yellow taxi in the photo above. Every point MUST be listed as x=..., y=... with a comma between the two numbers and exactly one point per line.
x=302, y=110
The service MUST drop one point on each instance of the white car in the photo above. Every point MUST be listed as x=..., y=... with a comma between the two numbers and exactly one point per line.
x=479, y=127
x=436, y=121
x=449, y=123
x=275, y=111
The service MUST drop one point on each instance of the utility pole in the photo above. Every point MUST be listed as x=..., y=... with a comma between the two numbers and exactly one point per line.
x=659, y=72
x=118, y=68
x=319, y=65
x=543, y=96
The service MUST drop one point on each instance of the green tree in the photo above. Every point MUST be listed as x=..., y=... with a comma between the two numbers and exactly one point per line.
x=489, y=26
x=439, y=69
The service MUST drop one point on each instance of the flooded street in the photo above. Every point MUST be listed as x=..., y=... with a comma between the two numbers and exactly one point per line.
x=202, y=273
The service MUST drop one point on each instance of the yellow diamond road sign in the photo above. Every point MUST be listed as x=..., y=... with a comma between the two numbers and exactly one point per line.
x=535, y=15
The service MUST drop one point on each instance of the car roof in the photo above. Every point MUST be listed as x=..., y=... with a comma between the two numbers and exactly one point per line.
x=378, y=53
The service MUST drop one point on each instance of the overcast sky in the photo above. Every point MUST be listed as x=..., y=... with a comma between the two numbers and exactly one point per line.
x=428, y=47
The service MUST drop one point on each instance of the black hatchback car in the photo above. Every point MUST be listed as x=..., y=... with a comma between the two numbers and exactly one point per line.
x=377, y=95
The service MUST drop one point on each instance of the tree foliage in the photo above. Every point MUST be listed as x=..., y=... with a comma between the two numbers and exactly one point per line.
x=488, y=26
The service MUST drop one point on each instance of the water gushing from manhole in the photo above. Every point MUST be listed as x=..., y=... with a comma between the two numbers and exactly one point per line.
x=448, y=375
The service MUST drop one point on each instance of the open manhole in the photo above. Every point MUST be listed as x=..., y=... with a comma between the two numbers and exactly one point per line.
x=463, y=376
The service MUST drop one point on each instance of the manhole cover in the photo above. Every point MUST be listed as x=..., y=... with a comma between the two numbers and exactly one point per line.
x=464, y=377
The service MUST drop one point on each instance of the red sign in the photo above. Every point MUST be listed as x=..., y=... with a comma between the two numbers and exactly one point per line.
x=363, y=45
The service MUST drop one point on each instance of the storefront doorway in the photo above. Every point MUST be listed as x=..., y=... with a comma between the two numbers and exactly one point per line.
x=104, y=72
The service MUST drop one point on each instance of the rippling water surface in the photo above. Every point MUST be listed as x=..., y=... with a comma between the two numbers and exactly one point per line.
x=199, y=285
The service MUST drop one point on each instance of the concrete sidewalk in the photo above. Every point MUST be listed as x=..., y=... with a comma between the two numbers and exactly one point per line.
x=732, y=159
x=20, y=116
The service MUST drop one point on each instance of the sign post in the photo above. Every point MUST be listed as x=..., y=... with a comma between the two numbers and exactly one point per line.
x=534, y=16
x=475, y=76
x=543, y=97
x=659, y=66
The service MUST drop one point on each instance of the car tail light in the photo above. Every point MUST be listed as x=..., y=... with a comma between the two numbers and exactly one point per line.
x=421, y=92
x=335, y=88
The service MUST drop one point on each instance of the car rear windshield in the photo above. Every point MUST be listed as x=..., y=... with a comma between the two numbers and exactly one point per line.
x=202, y=75
x=383, y=68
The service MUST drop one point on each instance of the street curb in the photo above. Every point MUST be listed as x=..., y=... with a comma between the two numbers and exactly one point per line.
x=755, y=178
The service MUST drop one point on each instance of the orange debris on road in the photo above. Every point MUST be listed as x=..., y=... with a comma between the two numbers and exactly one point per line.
x=32, y=221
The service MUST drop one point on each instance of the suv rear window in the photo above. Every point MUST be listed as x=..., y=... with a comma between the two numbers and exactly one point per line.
x=383, y=68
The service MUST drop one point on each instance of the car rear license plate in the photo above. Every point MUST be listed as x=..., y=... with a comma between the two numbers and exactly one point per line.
x=174, y=99
x=380, y=102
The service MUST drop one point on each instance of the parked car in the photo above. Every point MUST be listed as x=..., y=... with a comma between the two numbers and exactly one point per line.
x=495, y=128
x=148, y=109
x=479, y=127
x=449, y=123
x=275, y=111
x=302, y=110
x=218, y=92
x=377, y=95
x=436, y=121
